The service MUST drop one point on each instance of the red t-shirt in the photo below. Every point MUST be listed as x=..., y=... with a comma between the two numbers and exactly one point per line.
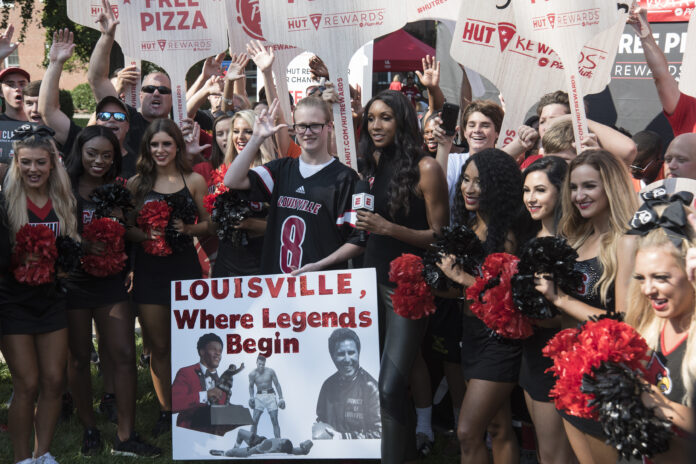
x=683, y=120
x=294, y=150
x=395, y=85
x=412, y=92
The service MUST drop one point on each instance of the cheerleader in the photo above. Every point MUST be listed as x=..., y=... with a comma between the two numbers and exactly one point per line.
x=490, y=203
x=235, y=260
x=661, y=308
x=32, y=317
x=542, y=187
x=163, y=173
x=95, y=161
x=410, y=206
x=598, y=201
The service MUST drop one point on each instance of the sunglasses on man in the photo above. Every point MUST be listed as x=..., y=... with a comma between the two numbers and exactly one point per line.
x=160, y=88
x=107, y=115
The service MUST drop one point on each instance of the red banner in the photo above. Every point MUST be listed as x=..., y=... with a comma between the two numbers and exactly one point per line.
x=662, y=11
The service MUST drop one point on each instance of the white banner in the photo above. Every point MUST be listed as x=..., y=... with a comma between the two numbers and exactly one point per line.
x=318, y=336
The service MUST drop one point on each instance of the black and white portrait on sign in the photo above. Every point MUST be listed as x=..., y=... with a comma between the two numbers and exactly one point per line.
x=348, y=404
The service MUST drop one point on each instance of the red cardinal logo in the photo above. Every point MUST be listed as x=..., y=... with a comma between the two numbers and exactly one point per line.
x=506, y=31
x=658, y=374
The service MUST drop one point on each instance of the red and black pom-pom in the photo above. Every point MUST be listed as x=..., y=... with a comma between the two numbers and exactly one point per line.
x=491, y=298
x=155, y=216
x=113, y=259
x=412, y=297
x=34, y=255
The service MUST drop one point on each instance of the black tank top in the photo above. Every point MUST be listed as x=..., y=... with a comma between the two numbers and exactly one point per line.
x=588, y=292
x=156, y=196
x=664, y=370
x=381, y=249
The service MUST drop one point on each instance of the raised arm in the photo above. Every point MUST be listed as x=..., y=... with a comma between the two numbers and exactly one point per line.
x=234, y=73
x=98, y=71
x=430, y=78
x=194, y=103
x=667, y=86
x=211, y=67
x=49, y=105
x=237, y=174
x=6, y=44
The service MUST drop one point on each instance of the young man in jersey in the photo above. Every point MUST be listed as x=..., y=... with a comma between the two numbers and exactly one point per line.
x=310, y=223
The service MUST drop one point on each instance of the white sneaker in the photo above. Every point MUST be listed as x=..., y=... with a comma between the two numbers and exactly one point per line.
x=46, y=459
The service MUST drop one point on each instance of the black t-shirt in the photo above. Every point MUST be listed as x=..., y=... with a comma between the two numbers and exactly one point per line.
x=309, y=218
x=138, y=124
x=5, y=117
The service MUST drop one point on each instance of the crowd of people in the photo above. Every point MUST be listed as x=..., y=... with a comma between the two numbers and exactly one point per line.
x=423, y=179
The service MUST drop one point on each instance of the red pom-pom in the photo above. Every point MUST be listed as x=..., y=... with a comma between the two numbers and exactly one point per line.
x=110, y=233
x=491, y=298
x=575, y=352
x=34, y=255
x=155, y=216
x=218, y=175
x=209, y=200
x=412, y=297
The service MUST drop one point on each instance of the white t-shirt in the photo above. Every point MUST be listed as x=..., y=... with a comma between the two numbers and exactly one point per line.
x=307, y=170
x=455, y=162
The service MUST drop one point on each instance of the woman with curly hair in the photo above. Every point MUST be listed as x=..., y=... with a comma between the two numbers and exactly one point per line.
x=236, y=260
x=543, y=180
x=491, y=205
x=37, y=192
x=410, y=206
x=162, y=173
x=662, y=309
x=598, y=201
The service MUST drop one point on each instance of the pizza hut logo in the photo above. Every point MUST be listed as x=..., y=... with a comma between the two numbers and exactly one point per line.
x=249, y=17
x=506, y=31
x=316, y=20
x=552, y=19
x=162, y=43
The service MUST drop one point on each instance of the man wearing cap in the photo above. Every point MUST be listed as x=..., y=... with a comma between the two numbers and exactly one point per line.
x=110, y=112
x=13, y=80
x=411, y=90
x=155, y=92
x=195, y=386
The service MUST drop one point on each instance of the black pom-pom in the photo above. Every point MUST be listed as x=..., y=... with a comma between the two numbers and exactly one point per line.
x=110, y=196
x=631, y=428
x=69, y=254
x=184, y=208
x=544, y=255
x=459, y=241
x=230, y=209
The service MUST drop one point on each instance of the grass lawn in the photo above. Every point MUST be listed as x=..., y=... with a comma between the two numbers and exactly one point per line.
x=68, y=439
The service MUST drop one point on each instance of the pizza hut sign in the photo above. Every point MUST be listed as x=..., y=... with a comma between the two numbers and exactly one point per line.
x=326, y=21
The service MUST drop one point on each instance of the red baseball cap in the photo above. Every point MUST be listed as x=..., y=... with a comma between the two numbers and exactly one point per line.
x=14, y=70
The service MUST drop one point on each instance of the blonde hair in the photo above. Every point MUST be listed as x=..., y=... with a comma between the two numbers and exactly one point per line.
x=265, y=153
x=59, y=190
x=622, y=203
x=641, y=315
x=559, y=137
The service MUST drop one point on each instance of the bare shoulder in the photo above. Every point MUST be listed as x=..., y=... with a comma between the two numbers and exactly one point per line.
x=429, y=166
x=133, y=182
x=196, y=181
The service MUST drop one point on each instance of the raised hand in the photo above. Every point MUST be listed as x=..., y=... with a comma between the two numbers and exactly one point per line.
x=318, y=68
x=430, y=77
x=213, y=65
x=262, y=56
x=237, y=65
x=107, y=20
x=126, y=78
x=638, y=18
x=6, y=44
x=527, y=136
x=62, y=46
x=263, y=126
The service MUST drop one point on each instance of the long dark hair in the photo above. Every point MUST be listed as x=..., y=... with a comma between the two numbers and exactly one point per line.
x=74, y=165
x=555, y=169
x=146, y=168
x=405, y=152
x=500, y=202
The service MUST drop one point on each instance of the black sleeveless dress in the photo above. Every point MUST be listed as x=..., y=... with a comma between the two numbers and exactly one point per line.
x=153, y=275
x=86, y=291
x=243, y=260
x=29, y=309
x=588, y=293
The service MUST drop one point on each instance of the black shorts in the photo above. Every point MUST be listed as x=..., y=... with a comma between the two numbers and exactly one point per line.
x=444, y=333
x=533, y=377
x=153, y=275
x=486, y=357
x=86, y=291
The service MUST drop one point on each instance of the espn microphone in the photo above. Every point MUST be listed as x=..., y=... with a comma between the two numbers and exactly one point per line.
x=363, y=200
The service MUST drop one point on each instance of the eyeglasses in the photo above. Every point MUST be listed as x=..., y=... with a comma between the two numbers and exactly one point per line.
x=106, y=115
x=313, y=128
x=160, y=88
x=640, y=170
